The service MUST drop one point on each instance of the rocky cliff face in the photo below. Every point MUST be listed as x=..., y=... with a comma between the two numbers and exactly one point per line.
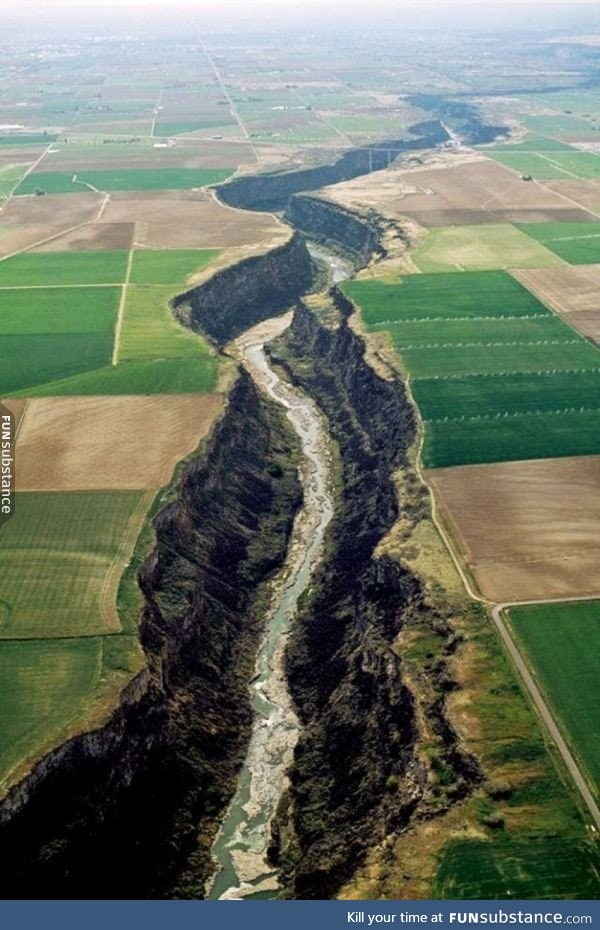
x=331, y=224
x=358, y=772
x=130, y=810
x=247, y=293
x=462, y=117
x=272, y=191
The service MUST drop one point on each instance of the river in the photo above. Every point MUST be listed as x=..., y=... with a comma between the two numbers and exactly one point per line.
x=240, y=849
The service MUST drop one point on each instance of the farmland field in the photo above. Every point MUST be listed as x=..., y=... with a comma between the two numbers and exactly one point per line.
x=562, y=645
x=566, y=354
x=32, y=138
x=9, y=178
x=134, y=179
x=54, y=333
x=483, y=396
x=531, y=143
x=45, y=685
x=62, y=557
x=57, y=450
x=528, y=530
x=571, y=291
x=476, y=295
x=479, y=192
x=162, y=266
x=554, y=165
x=462, y=248
x=163, y=376
x=151, y=332
x=496, y=375
x=560, y=124
x=33, y=359
x=535, y=868
x=36, y=269
x=507, y=438
x=58, y=310
x=577, y=243
x=480, y=331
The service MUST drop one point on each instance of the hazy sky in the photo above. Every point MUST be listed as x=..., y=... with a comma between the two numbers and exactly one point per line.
x=431, y=15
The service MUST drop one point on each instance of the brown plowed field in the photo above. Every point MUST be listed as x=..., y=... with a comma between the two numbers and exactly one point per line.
x=572, y=291
x=195, y=221
x=587, y=192
x=95, y=236
x=463, y=192
x=54, y=210
x=98, y=443
x=528, y=530
x=28, y=220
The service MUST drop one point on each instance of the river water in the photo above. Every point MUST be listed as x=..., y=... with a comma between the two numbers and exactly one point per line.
x=239, y=851
x=240, y=847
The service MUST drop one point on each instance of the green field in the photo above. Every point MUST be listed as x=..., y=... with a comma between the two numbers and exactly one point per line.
x=30, y=138
x=168, y=376
x=58, y=310
x=9, y=178
x=526, y=869
x=50, y=687
x=478, y=248
x=30, y=360
x=551, y=165
x=561, y=124
x=169, y=266
x=504, y=439
x=56, y=553
x=476, y=295
x=562, y=645
x=576, y=243
x=501, y=358
x=482, y=396
x=51, y=333
x=497, y=377
x=126, y=179
x=45, y=686
x=36, y=269
x=150, y=331
x=463, y=332
x=178, y=127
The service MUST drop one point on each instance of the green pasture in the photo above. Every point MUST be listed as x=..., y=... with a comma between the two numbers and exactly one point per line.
x=58, y=310
x=150, y=331
x=474, y=295
x=464, y=332
x=164, y=376
x=504, y=439
x=576, y=243
x=169, y=266
x=125, y=179
x=562, y=646
x=32, y=359
x=483, y=396
x=532, y=868
x=56, y=553
x=501, y=358
x=479, y=248
x=36, y=269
